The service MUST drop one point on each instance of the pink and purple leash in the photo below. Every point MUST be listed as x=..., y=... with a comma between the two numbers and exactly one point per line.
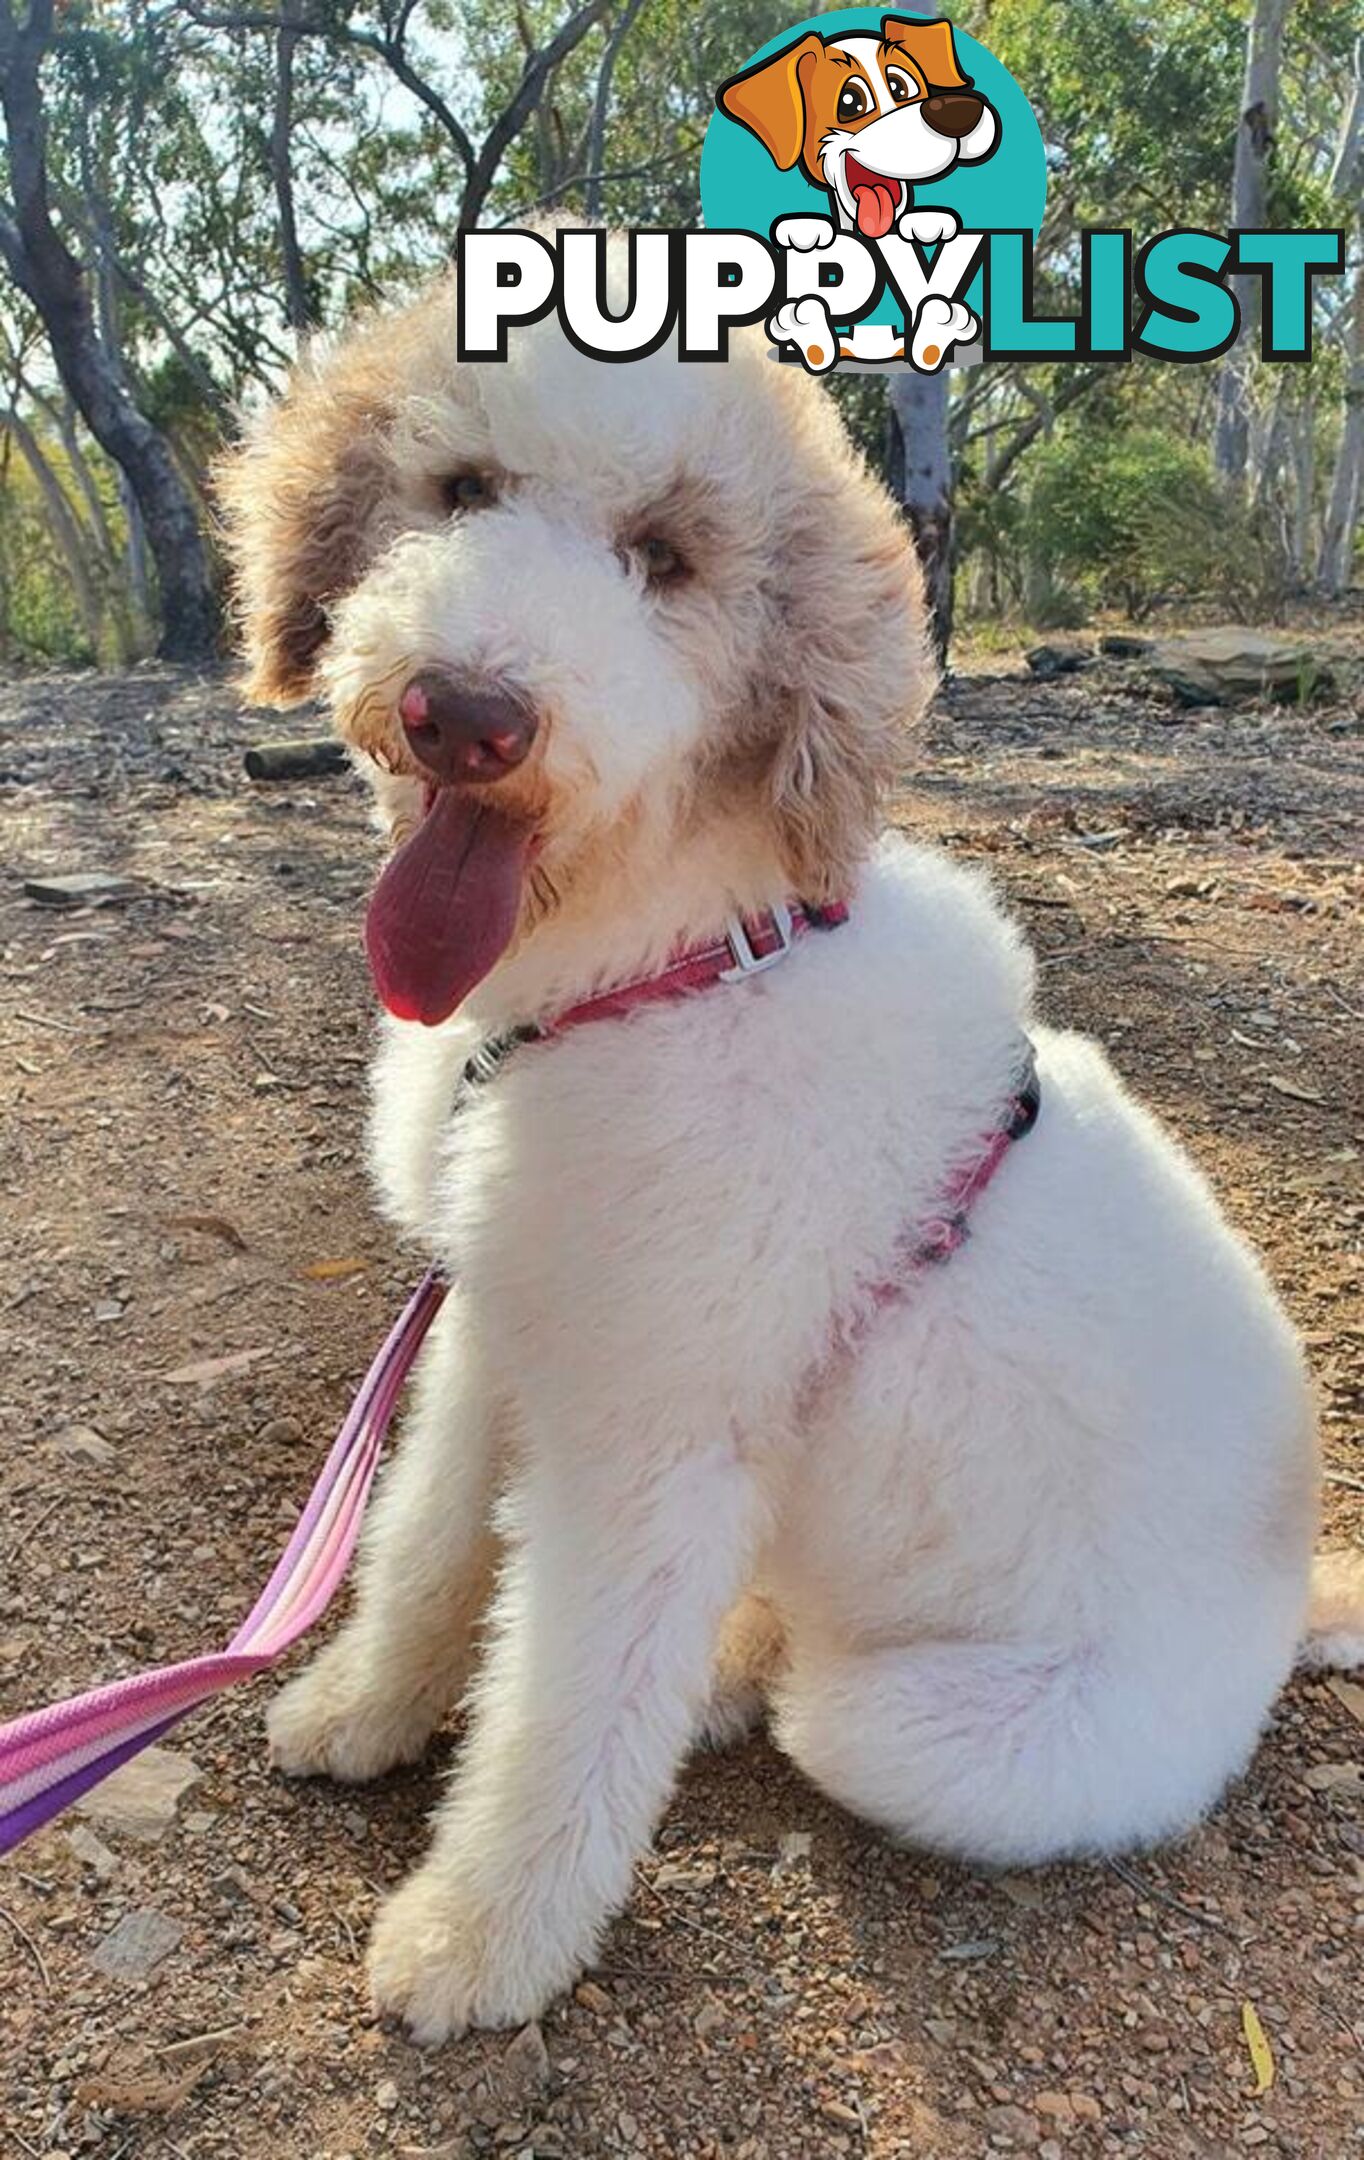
x=51, y=1757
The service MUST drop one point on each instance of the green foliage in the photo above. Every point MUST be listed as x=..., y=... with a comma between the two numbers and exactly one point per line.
x=1127, y=520
x=39, y=620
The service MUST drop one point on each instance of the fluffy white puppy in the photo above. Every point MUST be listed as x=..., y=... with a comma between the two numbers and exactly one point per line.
x=1019, y=1560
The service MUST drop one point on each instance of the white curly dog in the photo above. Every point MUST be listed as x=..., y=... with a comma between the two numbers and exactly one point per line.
x=1017, y=1560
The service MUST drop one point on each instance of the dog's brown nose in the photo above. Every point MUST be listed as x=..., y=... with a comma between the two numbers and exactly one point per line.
x=953, y=112
x=462, y=733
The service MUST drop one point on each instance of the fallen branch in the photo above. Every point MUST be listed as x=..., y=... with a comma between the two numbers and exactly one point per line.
x=295, y=760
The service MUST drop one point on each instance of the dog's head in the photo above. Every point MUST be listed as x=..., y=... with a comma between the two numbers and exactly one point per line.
x=570, y=612
x=866, y=117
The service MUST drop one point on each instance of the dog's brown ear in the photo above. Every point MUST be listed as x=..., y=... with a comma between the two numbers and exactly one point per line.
x=769, y=100
x=298, y=501
x=931, y=47
x=854, y=676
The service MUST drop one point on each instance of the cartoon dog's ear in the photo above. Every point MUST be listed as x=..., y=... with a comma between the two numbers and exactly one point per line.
x=298, y=500
x=769, y=100
x=930, y=46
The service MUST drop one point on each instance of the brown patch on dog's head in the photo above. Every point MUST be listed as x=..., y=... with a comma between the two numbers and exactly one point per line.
x=858, y=678
x=844, y=673
x=792, y=100
x=303, y=499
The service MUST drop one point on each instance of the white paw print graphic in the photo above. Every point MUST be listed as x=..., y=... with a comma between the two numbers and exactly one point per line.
x=803, y=233
x=942, y=325
x=929, y=227
x=807, y=325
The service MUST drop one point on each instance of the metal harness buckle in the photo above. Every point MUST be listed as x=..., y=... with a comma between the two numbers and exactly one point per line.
x=746, y=961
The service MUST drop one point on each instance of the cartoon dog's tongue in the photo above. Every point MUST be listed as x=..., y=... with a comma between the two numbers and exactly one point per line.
x=876, y=200
x=445, y=908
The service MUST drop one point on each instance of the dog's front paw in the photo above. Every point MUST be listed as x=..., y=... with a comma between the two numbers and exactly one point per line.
x=803, y=233
x=336, y=1720
x=806, y=325
x=942, y=325
x=929, y=227
x=440, y=1962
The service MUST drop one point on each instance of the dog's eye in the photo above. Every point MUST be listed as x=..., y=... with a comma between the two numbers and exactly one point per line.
x=660, y=560
x=902, y=90
x=853, y=101
x=467, y=491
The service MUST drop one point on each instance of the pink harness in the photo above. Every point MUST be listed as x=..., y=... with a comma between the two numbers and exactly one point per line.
x=50, y=1757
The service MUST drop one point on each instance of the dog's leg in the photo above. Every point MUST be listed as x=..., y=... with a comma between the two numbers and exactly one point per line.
x=629, y=1557
x=375, y=1695
x=747, y=1661
x=1001, y=1753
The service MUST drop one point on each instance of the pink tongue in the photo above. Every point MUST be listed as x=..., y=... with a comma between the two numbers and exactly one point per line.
x=445, y=908
x=875, y=208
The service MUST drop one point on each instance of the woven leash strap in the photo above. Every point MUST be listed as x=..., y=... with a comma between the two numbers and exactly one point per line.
x=51, y=1757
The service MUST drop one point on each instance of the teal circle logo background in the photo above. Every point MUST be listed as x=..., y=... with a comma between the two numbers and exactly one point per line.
x=742, y=189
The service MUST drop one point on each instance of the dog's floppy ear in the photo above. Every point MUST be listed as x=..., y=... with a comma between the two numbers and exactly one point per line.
x=769, y=100
x=930, y=45
x=852, y=677
x=299, y=498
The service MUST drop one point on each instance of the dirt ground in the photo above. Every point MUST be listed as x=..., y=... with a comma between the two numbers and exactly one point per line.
x=193, y=1281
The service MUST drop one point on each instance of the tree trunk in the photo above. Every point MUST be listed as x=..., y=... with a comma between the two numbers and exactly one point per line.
x=1346, y=505
x=298, y=298
x=1249, y=206
x=65, y=530
x=1304, y=490
x=45, y=269
x=601, y=106
x=920, y=473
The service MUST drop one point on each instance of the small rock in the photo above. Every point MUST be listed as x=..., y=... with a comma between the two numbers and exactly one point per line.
x=943, y=2030
x=524, y=2068
x=386, y=2096
x=793, y=1851
x=141, y=1799
x=1341, y=1777
x=1021, y=1891
x=92, y=1852
x=1085, y=2107
x=80, y=888
x=593, y=1998
x=137, y=1945
x=710, y=2018
x=107, y=1309
x=81, y=1443
x=1351, y=1694
x=282, y=1432
x=984, y=1946
x=1055, y=2104
x=1014, y=2122
x=676, y=1875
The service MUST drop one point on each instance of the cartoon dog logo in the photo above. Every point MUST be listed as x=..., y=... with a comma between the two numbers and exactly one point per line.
x=866, y=118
